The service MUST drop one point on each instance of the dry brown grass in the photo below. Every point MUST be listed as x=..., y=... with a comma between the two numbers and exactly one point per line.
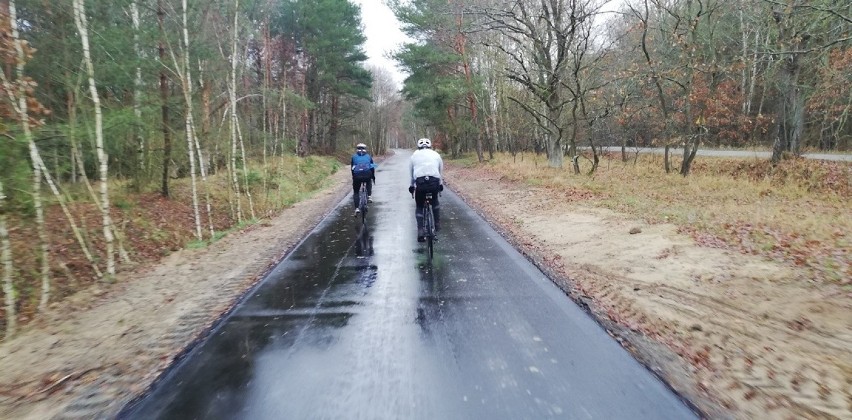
x=798, y=212
x=151, y=226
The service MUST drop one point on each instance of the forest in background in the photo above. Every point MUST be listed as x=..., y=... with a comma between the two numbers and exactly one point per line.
x=123, y=119
x=555, y=76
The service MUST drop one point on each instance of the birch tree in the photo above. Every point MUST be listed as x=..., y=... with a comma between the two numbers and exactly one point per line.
x=137, y=88
x=9, y=292
x=82, y=27
x=234, y=122
x=184, y=74
x=61, y=200
x=18, y=98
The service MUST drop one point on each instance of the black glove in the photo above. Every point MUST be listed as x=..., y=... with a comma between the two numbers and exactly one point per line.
x=440, y=187
x=411, y=189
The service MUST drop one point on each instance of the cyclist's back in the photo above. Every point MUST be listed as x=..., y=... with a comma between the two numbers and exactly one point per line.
x=426, y=168
x=426, y=162
x=363, y=171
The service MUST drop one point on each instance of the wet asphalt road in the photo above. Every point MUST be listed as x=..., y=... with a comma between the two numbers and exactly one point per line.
x=354, y=324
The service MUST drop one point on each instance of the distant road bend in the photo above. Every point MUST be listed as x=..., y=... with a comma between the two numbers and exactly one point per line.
x=732, y=153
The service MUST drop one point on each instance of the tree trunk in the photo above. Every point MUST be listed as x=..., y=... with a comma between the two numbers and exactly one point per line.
x=9, y=292
x=82, y=28
x=137, y=95
x=186, y=83
x=77, y=157
x=265, y=107
x=61, y=200
x=18, y=98
x=690, y=149
x=744, y=59
x=232, y=95
x=164, y=103
x=37, y=204
x=471, y=99
x=72, y=131
x=334, y=122
x=790, y=119
x=554, y=139
x=245, y=170
x=790, y=114
x=78, y=167
x=205, y=106
x=572, y=141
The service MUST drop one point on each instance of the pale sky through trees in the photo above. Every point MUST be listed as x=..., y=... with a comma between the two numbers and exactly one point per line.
x=383, y=35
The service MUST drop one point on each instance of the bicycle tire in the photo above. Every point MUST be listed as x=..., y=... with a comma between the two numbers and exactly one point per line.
x=429, y=227
x=362, y=204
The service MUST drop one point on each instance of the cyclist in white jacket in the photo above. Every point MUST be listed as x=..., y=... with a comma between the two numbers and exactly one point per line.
x=426, y=168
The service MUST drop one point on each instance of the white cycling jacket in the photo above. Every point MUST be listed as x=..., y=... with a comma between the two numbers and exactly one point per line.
x=426, y=162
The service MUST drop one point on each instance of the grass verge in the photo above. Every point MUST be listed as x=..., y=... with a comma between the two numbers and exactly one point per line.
x=150, y=226
x=797, y=212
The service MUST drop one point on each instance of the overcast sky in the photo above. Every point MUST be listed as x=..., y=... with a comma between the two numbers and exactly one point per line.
x=383, y=35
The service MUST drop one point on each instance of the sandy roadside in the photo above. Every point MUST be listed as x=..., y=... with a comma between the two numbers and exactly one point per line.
x=90, y=355
x=737, y=335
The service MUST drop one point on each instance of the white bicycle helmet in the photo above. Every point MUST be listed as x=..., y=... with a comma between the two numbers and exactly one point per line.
x=361, y=146
x=424, y=144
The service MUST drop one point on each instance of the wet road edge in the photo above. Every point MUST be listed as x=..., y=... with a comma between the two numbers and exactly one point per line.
x=340, y=195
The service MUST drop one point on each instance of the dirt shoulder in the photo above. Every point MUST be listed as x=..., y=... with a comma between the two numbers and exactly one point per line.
x=91, y=354
x=738, y=335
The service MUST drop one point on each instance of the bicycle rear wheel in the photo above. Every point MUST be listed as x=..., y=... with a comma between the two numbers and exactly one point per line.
x=362, y=204
x=429, y=227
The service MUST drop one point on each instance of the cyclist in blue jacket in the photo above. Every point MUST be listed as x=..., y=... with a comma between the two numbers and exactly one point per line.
x=363, y=170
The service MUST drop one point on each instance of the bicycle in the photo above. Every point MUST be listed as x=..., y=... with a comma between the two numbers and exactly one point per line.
x=428, y=224
x=362, y=202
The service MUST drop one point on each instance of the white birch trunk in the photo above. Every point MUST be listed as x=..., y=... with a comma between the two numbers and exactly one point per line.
x=77, y=157
x=191, y=139
x=266, y=119
x=750, y=98
x=82, y=28
x=137, y=87
x=9, y=292
x=245, y=170
x=744, y=59
x=282, y=127
x=18, y=98
x=190, y=148
x=201, y=162
x=186, y=83
x=61, y=199
x=232, y=95
x=204, y=180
